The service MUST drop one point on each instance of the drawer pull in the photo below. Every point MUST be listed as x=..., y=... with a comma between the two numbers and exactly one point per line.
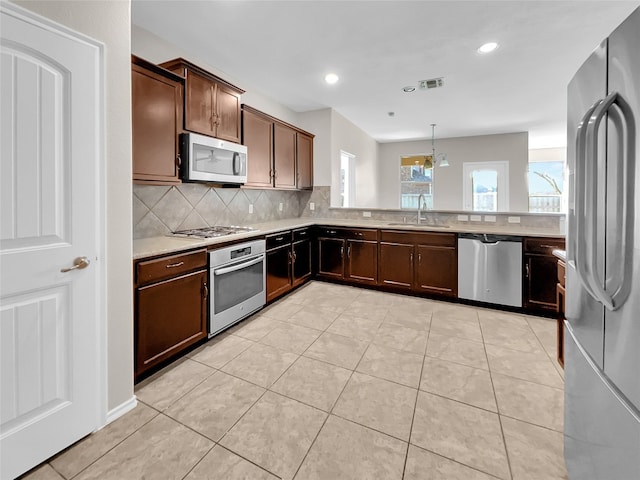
x=549, y=246
x=304, y=232
x=174, y=265
x=331, y=232
x=279, y=239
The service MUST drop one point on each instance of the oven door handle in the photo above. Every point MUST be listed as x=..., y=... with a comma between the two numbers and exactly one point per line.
x=238, y=266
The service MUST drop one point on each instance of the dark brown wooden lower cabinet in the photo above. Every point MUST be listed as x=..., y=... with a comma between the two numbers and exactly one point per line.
x=301, y=261
x=278, y=272
x=331, y=257
x=540, y=288
x=396, y=265
x=437, y=270
x=170, y=316
x=362, y=261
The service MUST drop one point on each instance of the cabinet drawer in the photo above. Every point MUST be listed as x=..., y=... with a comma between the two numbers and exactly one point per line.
x=150, y=271
x=278, y=239
x=361, y=234
x=562, y=274
x=331, y=232
x=543, y=245
x=301, y=234
x=419, y=238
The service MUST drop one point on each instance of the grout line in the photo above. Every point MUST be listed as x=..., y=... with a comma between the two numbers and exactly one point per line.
x=454, y=460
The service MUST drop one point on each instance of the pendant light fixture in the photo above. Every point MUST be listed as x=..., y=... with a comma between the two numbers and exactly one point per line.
x=439, y=159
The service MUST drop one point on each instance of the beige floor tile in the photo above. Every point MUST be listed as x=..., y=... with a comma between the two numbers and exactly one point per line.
x=221, y=464
x=313, y=382
x=162, y=389
x=346, y=451
x=401, y=338
x=424, y=465
x=378, y=404
x=43, y=472
x=457, y=327
x=407, y=318
x=535, y=367
x=457, y=350
x=337, y=349
x=510, y=335
x=391, y=364
x=534, y=452
x=291, y=338
x=215, y=405
x=460, y=432
x=450, y=310
x=314, y=317
x=502, y=317
x=361, y=328
x=82, y=454
x=255, y=327
x=546, y=330
x=275, y=433
x=329, y=301
x=367, y=310
x=280, y=310
x=162, y=449
x=373, y=297
x=458, y=382
x=260, y=364
x=219, y=351
x=530, y=402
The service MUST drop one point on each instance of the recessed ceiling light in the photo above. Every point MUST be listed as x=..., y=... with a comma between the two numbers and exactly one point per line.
x=488, y=47
x=408, y=89
x=331, y=78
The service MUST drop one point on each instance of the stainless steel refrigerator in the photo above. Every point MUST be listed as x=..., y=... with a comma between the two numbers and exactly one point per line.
x=602, y=330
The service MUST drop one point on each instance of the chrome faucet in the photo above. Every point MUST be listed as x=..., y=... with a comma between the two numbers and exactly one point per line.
x=421, y=201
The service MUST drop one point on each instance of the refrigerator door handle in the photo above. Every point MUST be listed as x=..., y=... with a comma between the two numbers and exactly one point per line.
x=579, y=242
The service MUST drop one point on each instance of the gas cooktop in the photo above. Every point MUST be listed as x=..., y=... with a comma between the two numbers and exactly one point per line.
x=212, y=232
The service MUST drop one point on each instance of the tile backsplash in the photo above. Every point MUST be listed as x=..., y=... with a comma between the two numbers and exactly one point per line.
x=158, y=210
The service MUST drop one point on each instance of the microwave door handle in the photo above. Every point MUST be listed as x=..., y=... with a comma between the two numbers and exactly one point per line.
x=580, y=188
x=591, y=137
x=238, y=266
x=236, y=163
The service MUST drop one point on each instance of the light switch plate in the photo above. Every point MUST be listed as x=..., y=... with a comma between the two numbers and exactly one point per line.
x=280, y=206
x=490, y=218
x=513, y=219
x=463, y=218
x=475, y=218
x=366, y=214
x=251, y=208
x=312, y=206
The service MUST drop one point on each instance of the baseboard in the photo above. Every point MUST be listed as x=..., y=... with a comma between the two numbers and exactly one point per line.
x=121, y=409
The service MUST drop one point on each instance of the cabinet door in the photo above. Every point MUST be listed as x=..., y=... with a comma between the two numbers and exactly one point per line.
x=301, y=261
x=541, y=272
x=304, y=174
x=437, y=270
x=284, y=156
x=156, y=111
x=278, y=272
x=331, y=256
x=257, y=135
x=170, y=316
x=199, y=106
x=227, y=104
x=362, y=261
x=396, y=265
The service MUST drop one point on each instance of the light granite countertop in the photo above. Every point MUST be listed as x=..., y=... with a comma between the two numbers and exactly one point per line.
x=149, y=247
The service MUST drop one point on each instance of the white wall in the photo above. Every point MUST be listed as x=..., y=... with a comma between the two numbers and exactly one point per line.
x=548, y=154
x=318, y=122
x=109, y=22
x=345, y=136
x=157, y=50
x=511, y=147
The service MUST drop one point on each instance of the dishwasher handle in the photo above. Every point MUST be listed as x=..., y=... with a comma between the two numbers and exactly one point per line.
x=490, y=238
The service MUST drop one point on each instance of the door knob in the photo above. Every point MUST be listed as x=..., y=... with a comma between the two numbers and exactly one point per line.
x=78, y=264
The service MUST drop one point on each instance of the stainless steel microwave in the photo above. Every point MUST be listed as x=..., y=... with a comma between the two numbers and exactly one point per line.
x=208, y=159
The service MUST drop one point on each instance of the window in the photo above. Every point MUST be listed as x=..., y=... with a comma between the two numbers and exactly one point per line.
x=486, y=186
x=416, y=178
x=546, y=185
x=347, y=179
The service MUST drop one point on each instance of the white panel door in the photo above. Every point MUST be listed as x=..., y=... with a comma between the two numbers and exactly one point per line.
x=50, y=154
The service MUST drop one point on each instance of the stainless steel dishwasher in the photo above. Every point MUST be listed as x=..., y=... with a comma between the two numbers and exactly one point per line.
x=490, y=268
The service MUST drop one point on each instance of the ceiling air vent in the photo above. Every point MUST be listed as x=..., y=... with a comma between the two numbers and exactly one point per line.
x=431, y=83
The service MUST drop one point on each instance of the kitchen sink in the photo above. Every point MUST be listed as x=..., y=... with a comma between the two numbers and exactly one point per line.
x=423, y=225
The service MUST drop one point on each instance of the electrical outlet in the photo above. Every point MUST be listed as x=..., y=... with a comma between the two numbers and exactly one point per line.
x=513, y=219
x=490, y=218
x=475, y=218
x=280, y=207
x=251, y=208
x=366, y=214
x=463, y=218
x=312, y=206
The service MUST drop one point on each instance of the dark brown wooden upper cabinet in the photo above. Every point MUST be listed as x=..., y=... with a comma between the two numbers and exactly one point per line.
x=304, y=174
x=212, y=105
x=156, y=114
x=279, y=155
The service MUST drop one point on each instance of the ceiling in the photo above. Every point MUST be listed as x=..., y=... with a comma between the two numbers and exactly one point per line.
x=284, y=49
